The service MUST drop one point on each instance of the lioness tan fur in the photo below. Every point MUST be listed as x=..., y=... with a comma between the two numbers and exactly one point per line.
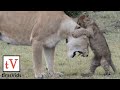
x=98, y=44
x=41, y=29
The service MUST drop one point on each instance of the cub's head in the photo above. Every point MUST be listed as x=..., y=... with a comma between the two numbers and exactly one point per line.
x=84, y=21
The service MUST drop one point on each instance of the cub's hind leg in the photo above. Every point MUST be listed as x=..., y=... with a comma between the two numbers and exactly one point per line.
x=112, y=66
x=106, y=66
x=94, y=64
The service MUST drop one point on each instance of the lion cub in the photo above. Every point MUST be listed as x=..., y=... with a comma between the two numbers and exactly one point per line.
x=98, y=44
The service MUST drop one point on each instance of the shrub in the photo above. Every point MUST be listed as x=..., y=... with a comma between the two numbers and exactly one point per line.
x=73, y=13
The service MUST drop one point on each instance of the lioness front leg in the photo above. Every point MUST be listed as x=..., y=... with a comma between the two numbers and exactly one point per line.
x=49, y=56
x=37, y=59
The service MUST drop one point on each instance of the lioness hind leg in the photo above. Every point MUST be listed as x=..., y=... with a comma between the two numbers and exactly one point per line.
x=49, y=57
x=105, y=65
x=37, y=59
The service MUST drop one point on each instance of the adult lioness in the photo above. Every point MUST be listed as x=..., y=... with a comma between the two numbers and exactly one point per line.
x=41, y=29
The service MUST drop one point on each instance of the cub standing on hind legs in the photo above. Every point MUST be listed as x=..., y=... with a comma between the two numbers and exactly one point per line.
x=98, y=44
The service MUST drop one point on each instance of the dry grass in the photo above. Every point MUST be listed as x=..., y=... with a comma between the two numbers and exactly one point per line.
x=74, y=67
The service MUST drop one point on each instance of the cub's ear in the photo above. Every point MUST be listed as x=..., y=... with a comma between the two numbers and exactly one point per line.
x=82, y=17
x=86, y=14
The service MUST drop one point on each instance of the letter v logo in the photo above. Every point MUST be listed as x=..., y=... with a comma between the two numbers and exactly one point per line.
x=13, y=65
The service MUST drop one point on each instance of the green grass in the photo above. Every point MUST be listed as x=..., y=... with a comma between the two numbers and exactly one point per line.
x=72, y=68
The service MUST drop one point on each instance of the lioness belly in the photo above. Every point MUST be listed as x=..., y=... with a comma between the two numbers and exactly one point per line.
x=13, y=41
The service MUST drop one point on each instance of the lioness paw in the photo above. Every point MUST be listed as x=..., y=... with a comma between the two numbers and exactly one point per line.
x=54, y=75
x=41, y=76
